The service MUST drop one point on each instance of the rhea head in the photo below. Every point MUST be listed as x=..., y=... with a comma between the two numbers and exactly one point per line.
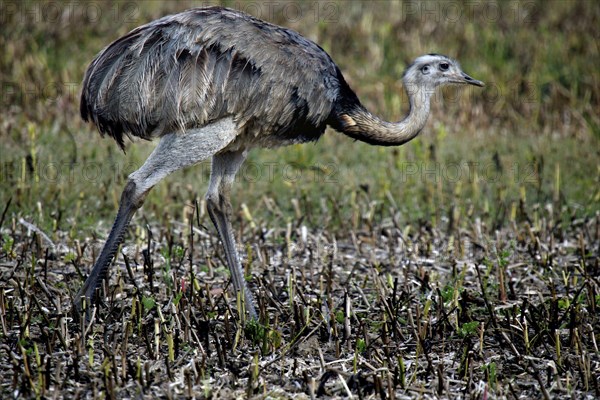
x=433, y=70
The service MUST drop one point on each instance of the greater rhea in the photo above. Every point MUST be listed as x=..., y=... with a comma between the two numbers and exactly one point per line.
x=214, y=83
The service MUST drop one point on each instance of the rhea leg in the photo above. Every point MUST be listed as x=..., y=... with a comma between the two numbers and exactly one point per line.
x=223, y=170
x=131, y=200
x=174, y=151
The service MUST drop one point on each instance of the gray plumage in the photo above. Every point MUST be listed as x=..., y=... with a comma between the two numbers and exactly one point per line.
x=188, y=69
x=214, y=82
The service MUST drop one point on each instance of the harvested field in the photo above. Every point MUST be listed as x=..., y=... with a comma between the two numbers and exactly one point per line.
x=465, y=264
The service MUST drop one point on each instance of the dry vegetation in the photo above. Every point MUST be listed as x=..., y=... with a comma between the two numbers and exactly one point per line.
x=462, y=265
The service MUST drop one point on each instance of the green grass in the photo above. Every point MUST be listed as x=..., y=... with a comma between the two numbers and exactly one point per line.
x=532, y=130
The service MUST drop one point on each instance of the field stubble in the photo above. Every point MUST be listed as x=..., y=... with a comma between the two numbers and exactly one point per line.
x=464, y=264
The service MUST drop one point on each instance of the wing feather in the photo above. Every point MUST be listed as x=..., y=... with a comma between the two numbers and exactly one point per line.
x=186, y=70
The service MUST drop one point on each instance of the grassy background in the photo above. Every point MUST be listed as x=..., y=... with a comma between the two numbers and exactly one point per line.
x=513, y=167
x=532, y=133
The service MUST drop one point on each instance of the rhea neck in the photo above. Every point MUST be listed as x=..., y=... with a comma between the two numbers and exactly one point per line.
x=357, y=122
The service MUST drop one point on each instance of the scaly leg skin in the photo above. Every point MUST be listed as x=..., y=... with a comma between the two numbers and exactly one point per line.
x=174, y=151
x=130, y=202
x=223, y=170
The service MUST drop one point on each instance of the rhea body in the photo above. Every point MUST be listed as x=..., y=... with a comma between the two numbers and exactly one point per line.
x=214, y=83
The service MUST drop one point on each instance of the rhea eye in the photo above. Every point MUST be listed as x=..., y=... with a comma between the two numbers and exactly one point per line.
x=425, y=69
x=444, y=66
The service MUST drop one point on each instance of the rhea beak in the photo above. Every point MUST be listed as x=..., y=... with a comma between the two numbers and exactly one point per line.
x=467, y=79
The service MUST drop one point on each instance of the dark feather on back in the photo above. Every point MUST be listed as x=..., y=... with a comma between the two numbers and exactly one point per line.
x=183, y=71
